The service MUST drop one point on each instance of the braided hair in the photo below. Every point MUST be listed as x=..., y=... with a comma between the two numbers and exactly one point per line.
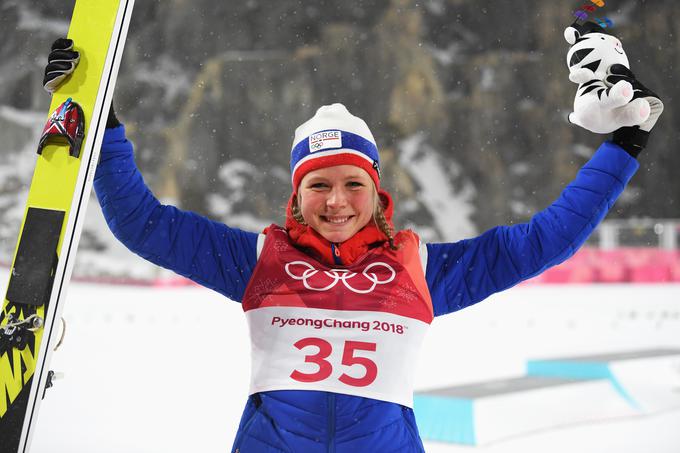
x=382, y=223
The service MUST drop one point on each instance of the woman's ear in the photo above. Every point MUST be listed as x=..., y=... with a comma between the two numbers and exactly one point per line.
x=377, y=203
x=295, y=209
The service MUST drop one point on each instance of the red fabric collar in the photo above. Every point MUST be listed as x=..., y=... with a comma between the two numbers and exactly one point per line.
x=316, y=245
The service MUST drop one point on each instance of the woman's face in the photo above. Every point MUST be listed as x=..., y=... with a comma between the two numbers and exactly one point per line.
x=337, y=201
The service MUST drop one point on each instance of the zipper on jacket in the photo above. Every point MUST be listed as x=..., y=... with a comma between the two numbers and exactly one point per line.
x=335, y=248
x=414, y=434
x=246, y=428
x=331, y=422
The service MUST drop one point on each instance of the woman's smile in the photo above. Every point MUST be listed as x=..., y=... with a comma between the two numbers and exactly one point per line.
x=337, y=201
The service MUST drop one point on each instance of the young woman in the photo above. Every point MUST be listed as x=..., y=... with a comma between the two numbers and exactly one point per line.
x=337, y=302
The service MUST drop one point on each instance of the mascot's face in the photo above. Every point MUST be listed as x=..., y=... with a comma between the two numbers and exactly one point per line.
x=591, y=54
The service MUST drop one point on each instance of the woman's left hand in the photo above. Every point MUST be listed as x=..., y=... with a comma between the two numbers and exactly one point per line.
x=61, y=62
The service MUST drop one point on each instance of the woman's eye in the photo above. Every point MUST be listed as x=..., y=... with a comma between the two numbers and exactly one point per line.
x=318, y=185
x=354, y=184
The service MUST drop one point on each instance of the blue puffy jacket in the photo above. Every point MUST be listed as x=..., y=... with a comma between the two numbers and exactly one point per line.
x=458, y=274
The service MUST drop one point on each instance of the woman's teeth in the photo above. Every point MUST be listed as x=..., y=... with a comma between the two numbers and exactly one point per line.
x=337, y=220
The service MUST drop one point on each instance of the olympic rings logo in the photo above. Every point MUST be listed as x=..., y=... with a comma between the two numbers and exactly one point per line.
x=341, y=275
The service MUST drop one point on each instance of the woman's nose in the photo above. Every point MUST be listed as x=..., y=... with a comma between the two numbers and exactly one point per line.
x=336, y=198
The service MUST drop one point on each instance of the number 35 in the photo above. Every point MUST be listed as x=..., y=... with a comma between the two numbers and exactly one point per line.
x=348, y=358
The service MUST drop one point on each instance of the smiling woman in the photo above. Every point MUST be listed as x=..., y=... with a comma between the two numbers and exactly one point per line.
x=336, y=198
x=332, y=386
x=335, y=186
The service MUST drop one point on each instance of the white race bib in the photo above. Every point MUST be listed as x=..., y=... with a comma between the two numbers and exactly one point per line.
x=363, y=353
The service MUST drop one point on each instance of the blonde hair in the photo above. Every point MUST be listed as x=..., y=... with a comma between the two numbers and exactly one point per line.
x=381, y=221
x=378, y=216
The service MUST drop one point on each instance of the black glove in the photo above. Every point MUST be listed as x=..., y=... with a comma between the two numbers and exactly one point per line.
x=61, y=62
x=634, y=139
x=112, y=120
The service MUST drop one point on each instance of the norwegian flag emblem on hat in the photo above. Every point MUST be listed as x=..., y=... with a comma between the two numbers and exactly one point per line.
x=66, y=125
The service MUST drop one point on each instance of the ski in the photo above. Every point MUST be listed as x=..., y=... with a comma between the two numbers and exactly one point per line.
x=67, y=157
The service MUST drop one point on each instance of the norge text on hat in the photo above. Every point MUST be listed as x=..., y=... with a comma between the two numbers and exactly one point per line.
x=333, y=136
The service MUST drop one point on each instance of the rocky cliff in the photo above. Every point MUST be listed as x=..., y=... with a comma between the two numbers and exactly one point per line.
x=467, y=99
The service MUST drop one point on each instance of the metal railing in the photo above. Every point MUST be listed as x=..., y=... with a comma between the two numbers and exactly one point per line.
x=657, y=233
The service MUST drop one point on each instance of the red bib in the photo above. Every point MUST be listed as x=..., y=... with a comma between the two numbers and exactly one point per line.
x=355, y=330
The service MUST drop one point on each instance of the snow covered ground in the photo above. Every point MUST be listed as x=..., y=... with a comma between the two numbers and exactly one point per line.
x=166, y=370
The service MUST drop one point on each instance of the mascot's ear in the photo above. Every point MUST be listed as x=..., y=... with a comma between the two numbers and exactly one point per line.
x=571, y=34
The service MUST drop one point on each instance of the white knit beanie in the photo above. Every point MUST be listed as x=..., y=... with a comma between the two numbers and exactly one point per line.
x=333, y=136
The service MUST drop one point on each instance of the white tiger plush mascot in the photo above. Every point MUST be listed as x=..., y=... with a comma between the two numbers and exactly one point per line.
x=608, y=96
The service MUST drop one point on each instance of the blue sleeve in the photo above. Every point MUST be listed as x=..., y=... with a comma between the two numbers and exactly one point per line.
x=463, y=273
x=207, y=252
